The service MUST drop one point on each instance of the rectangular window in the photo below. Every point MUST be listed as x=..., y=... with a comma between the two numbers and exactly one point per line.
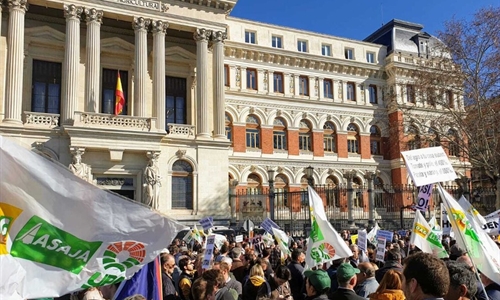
x=249, y=37
x=328, y=88
x=182, y=192
x=351, y=91
x=276, y=42
x=251, y=79
x=304, y=85
x=226, y=75
x=431, y=97
x=302, y=46
x=109, y=78
x=252, y=138
x=352, y=146
x=449, y=99
x=349, y=53
x=374, y=147
x=372, y=94
x=370, y=57
x=410, y=93
x=329, y=144
x=176, y=100
x=46, y=88
x=304, y=141
x=279, y=140
x=326, y=50
x=278, y=83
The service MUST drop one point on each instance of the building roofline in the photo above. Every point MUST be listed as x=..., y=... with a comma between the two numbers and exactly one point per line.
x=394, y=23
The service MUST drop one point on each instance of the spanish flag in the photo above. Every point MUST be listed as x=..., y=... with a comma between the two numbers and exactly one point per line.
x=119, y=97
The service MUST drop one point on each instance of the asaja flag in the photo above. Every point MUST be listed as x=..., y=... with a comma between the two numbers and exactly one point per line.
x=471, y=211
x=282, y=240
x=425, y=239
x=119, y=96
x=481, y=253
x=372, y=235
x=66, y=234
x=324, y=243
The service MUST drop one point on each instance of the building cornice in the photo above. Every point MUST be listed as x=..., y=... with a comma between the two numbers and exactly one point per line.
x=286, y=58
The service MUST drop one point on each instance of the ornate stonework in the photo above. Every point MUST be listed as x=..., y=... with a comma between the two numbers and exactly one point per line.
x=202, y=34
x=18, y=4
x=72, y=11
x=93, y=15
x=159, y=26
x=140, y=23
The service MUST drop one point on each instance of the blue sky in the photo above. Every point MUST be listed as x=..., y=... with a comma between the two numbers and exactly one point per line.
x=356, y=19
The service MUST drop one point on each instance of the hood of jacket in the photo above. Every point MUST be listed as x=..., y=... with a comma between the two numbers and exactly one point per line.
x=257, y=280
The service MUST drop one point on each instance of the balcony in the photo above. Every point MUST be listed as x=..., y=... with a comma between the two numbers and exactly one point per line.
x=107, y=121
x=181, y=131
x=41, y=120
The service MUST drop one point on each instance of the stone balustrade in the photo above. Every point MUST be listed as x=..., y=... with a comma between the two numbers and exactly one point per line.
x=181, y=130
x=41, y=120
x=98, y=120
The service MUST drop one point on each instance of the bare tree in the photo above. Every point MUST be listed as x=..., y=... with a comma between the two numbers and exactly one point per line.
x=457, y=94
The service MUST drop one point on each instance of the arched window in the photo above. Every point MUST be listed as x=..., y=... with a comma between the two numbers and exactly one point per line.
x=253, y=132
x=453, y=144
x=414, y=141
x=352, y=138
x=254, y=184
x=434, y=140
x=279, y=134
x=329, y=138
x=182, y=185
x=378, y=184
x=375, y=138
x=229, y=128
x=305, y=136
x=281, y=188
x=332, y=191
x=358, y=192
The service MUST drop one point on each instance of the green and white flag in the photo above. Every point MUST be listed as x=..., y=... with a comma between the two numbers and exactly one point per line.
x=60, y=233
x=324, y=243
x=425, y=239
x=372, y=235
x=470, y=210
x=471, y=238
x=282, y=240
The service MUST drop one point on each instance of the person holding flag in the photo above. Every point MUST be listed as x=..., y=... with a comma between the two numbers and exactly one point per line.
x=119, y=96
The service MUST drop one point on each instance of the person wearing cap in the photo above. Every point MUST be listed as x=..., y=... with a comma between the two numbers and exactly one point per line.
x=347, y=278
x=317, y=284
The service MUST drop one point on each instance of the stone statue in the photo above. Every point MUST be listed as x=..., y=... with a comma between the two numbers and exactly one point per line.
x=78, y=168
x=152, y=181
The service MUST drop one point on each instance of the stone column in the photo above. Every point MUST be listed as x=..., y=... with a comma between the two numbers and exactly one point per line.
x=370, y=177
x=140, y=26
x=218, y=38
x=349, y=175
x=70, y=72
x=159, y=31
x=321, y=88
x=201, y=37
x=270, y=79
x=15, y=58
x=93, y=67
x=243, y=78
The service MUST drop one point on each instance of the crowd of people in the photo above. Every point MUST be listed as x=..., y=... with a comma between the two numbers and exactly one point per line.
x=241, y=271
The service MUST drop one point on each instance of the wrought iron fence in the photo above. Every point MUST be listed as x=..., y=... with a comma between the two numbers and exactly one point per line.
x=392, y=206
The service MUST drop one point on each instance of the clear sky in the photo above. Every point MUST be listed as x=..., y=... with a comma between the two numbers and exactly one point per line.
x=356, y=19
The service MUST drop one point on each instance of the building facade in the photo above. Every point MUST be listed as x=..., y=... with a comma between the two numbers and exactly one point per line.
x=212, y=101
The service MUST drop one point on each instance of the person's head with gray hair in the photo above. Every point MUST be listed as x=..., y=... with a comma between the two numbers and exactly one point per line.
x=463, y=284
x=355, y=251
x=227, y=260
x=136, y=297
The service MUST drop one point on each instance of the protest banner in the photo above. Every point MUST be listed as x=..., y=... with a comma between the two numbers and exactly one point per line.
x=268, y=225
x=209, y=252
x=445, y=222
x=60, y=233
x=380, y=256
x=207, y=223
x=362, y=240
x=424, y=196
x=428, y=165
x=238, y=238
x=385, y=234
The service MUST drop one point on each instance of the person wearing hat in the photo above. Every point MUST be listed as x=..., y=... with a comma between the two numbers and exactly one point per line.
x=346, y=276
x=317, y=284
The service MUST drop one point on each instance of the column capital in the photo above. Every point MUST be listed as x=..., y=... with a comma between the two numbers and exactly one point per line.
x=371, y=175
x=202, y=34
x=18, y=4
x=93, y=15
x=72, y=11
x=219, y=36
x=140, y=23
x=349, y=174
x=159, y=26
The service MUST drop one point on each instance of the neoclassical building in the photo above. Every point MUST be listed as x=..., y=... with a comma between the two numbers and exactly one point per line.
x=211, y=101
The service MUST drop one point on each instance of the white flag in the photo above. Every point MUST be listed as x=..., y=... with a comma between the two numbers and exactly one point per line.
x=282, y=240
x=425, y=239
x=372, y=235
x=471, y=239
x=471, y=211
x=324, y=243
x=67, y=234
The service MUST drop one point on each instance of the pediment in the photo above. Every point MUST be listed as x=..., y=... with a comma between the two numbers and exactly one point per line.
x=44, y=34
x=177, y=53
x=117, y=45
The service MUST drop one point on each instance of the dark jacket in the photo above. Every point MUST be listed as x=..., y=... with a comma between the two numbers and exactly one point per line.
x=320, y=297
x=345, y=294
x=389, y=265
x=169, y=291
x=254, y=287
x=238, y=270
x=493, y=291
x=297, y=281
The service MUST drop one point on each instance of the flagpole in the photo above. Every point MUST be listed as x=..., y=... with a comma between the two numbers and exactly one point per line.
x=459, y=234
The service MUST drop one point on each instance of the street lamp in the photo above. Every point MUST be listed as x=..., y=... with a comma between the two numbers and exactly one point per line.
x=309, y=174
x=270, y=175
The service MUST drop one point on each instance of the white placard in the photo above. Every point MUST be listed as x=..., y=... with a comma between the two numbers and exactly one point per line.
x=445, y=222
x=209, y=252
x=238, y=238
x=424, y=196
x=428, y=165
x=380, y=250
x=362, y=239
